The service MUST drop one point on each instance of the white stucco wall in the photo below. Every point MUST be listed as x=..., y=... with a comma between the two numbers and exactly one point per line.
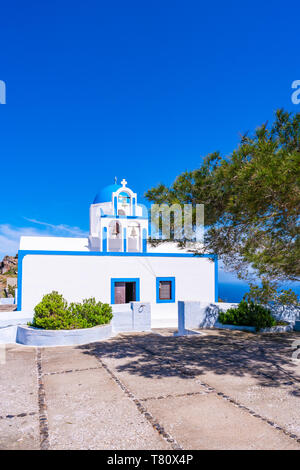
x=54, y=243
x=79, y=277
x=82, y=244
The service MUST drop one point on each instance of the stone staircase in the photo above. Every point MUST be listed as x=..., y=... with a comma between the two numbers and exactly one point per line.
x=8, y=308
x=297, y=325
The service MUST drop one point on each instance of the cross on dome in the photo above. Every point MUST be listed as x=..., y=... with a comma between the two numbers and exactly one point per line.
x=123, y=182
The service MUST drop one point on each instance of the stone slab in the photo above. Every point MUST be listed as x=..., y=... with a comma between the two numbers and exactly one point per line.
x=87, y=410
x=209, y=422
x=18, y=381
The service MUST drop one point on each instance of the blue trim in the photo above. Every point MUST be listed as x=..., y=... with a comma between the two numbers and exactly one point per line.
x=144, y=235
x=104, y=239
x=124, y=240
x=133, y=206
x=115, y=205
x=117, y=216
x=113, y=280
x=216, y=279
x=113, y=253
x=172, y=300
x=20, y=272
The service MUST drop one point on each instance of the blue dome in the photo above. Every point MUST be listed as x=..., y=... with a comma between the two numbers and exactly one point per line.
x=105, y=194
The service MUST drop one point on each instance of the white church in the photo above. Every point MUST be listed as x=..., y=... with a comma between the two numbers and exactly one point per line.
x=115, y=264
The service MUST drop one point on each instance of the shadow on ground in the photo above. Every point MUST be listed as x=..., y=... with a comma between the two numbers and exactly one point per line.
x=267, y=358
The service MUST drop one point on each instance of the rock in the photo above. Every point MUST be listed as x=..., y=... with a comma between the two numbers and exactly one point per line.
x=9, y=263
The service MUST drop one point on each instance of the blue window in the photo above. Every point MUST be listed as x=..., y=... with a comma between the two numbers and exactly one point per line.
x=125, y=290
x=165, y=289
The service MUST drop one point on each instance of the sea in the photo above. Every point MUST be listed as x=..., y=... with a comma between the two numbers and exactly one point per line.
x=233, y=292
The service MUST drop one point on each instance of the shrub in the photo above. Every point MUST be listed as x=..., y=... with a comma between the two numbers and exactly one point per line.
x=91, y=312
x=54, y=313
x=11, y=290
x=248, y=314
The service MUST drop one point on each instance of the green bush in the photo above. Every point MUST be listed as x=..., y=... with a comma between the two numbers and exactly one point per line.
x=248, y=314
x=54, y=313
x=91, y=312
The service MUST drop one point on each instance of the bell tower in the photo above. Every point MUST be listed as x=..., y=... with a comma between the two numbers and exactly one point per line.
x=117, y=222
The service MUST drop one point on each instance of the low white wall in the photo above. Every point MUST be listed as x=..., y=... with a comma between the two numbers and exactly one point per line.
x=8, y=334
x=37, y=337
x=234, y=327
x=7, y=301
x=196, y=315
x=135, y=316
x=205, y=315
x=286, y=313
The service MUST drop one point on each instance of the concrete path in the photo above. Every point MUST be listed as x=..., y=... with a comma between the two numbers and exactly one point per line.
x=220, y=390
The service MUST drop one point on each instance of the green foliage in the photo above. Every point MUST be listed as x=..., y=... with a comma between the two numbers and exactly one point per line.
x=268, y=293
x=287, y=297
x=54, y=313
x=252, y=200
x=13, y=271
x=91, y=312
x=248, y=314
x=11, y=290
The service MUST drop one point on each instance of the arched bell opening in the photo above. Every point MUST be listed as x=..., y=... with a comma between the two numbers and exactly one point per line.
x=115, y=236
x=134, y=237
x=124, y=203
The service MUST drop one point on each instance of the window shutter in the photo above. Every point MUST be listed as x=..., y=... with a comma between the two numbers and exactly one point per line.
x=165, y=290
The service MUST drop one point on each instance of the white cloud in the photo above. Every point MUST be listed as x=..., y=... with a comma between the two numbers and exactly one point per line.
x=63, y=229
x=10, y=235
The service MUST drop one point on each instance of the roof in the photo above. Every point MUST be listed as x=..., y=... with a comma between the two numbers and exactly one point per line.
x=54, y=244
x=104, y=195
x=82, y=244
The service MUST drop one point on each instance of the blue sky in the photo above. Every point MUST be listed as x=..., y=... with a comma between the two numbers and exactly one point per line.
x=141, y=90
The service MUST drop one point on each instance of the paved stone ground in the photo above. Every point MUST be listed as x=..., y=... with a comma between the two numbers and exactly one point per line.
x=218, y=390
x=8, y=308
